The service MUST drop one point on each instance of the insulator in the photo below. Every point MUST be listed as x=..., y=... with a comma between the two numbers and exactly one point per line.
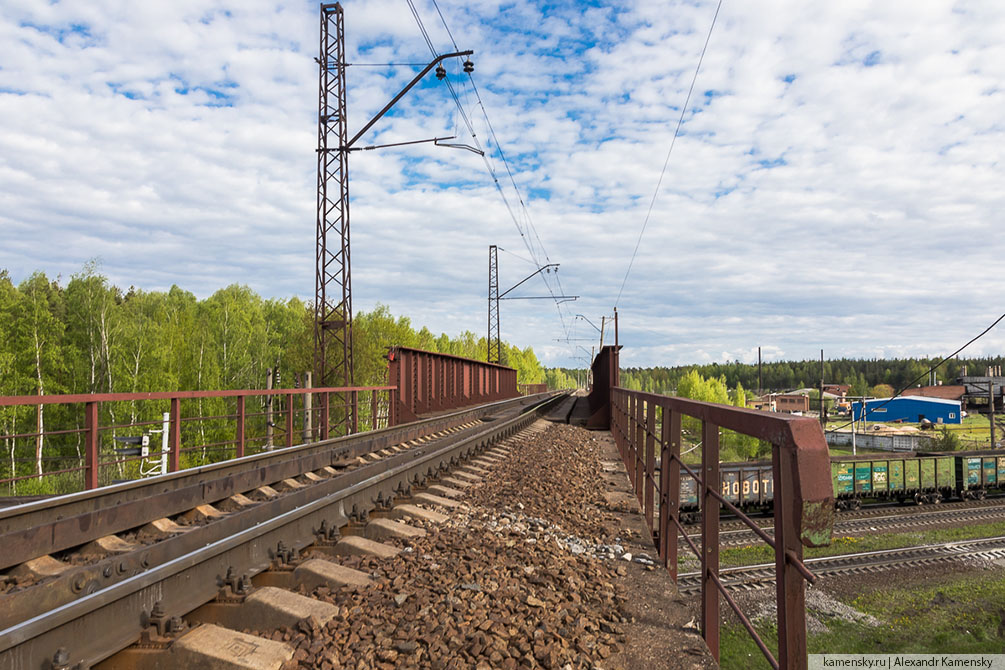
x=469, y=67
x=440, y=72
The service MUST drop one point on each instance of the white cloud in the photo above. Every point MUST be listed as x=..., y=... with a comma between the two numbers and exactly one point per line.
x=837, y=182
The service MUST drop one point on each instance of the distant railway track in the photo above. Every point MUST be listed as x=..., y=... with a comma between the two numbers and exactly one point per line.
x=730, y=522
x=738, y=534
x=86, y=575
x=752, y=577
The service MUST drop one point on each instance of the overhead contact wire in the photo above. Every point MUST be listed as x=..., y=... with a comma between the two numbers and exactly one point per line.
x=530, y=224
x=666, y=162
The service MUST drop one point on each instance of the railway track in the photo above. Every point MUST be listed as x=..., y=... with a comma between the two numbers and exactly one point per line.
x=763, y=575
x=729, y=522
x=86, y=575
x=737, y=535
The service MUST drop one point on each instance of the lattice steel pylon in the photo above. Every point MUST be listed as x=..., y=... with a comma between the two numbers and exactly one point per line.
x=333, y=361
x=493, y=345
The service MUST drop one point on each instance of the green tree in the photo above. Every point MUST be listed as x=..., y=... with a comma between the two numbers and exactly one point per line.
x=373, y=334
x=10, y=384
x=881, y=391
x=91, y=306
x=38, y=330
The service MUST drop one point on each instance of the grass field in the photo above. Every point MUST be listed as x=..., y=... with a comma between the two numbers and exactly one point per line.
x=961, y=614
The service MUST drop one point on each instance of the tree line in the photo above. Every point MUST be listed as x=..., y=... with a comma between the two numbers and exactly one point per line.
x=864, y=376
x=89, y=336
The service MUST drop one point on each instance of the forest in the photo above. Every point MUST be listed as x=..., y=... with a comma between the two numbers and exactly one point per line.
x=863, y=375
x=89, y=336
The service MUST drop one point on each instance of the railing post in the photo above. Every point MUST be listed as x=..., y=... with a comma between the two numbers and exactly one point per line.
x=289, y=419
x=91, y=441
x=373, y=410
x=308, y=404
x=628, y=455
x=239, y=438
x=710, y=537
x=325, y=404
x=619, y=442
x=790, y=587
x=640, y=440
x=392, y=408
x=650, y=461
x=673, y=435
x=354, y=398
x=665, y=524
x=174, y=458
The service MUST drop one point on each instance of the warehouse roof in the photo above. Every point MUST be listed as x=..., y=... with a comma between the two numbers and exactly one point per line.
x=951, y=392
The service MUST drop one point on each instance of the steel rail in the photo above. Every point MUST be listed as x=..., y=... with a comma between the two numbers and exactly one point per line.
x=763, y=573
x=55, y=524
x=103, y=570
x=98, y=624
x=729, y=523
x=917, y=519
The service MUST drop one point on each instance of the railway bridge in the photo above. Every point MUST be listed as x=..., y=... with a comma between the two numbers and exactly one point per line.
x=443, y=519
x=452, y=522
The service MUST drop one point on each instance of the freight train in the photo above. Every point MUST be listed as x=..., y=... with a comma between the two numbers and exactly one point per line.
x=909, y=478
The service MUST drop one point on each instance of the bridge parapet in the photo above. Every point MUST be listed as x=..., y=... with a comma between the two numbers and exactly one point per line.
x=429, y=382
x=647, y=426
x=606, y=376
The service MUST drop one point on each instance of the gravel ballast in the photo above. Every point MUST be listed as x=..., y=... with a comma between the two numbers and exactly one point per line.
x=533, y=571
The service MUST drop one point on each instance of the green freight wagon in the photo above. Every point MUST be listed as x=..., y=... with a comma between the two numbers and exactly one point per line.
x=903, y=477
x=977, y=472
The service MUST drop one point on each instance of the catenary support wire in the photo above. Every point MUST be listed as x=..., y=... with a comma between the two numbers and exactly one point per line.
x=666, y=162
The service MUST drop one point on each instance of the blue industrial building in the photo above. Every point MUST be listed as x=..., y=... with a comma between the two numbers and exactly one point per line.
x=910, y=409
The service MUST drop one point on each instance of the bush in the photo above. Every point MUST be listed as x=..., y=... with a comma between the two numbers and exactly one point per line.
x=947, y=441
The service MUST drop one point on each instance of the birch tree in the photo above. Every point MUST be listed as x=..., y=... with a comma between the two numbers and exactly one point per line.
x=38, y=328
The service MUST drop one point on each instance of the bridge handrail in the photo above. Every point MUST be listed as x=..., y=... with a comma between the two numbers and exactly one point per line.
x=802, y=489
x=73, y=398
x=317, y=411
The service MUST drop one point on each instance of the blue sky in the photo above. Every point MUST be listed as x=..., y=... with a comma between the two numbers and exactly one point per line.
x=838, y=181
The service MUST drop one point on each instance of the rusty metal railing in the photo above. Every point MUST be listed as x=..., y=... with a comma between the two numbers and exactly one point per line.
x=429, y=382
x=91, y=440
x=647, y=427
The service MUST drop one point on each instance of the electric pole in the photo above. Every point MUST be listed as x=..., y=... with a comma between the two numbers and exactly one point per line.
x=991, y=409
x=823, y=411
x=333, y=360
x=332, y=278
x=494, y=347
x=494, y=344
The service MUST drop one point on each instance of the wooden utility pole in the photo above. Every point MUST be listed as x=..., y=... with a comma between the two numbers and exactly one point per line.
x=991, y=410
x=823, y=413
x=759, y=386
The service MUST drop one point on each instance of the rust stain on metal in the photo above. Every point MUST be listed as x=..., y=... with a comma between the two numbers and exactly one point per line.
x=816, y=523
